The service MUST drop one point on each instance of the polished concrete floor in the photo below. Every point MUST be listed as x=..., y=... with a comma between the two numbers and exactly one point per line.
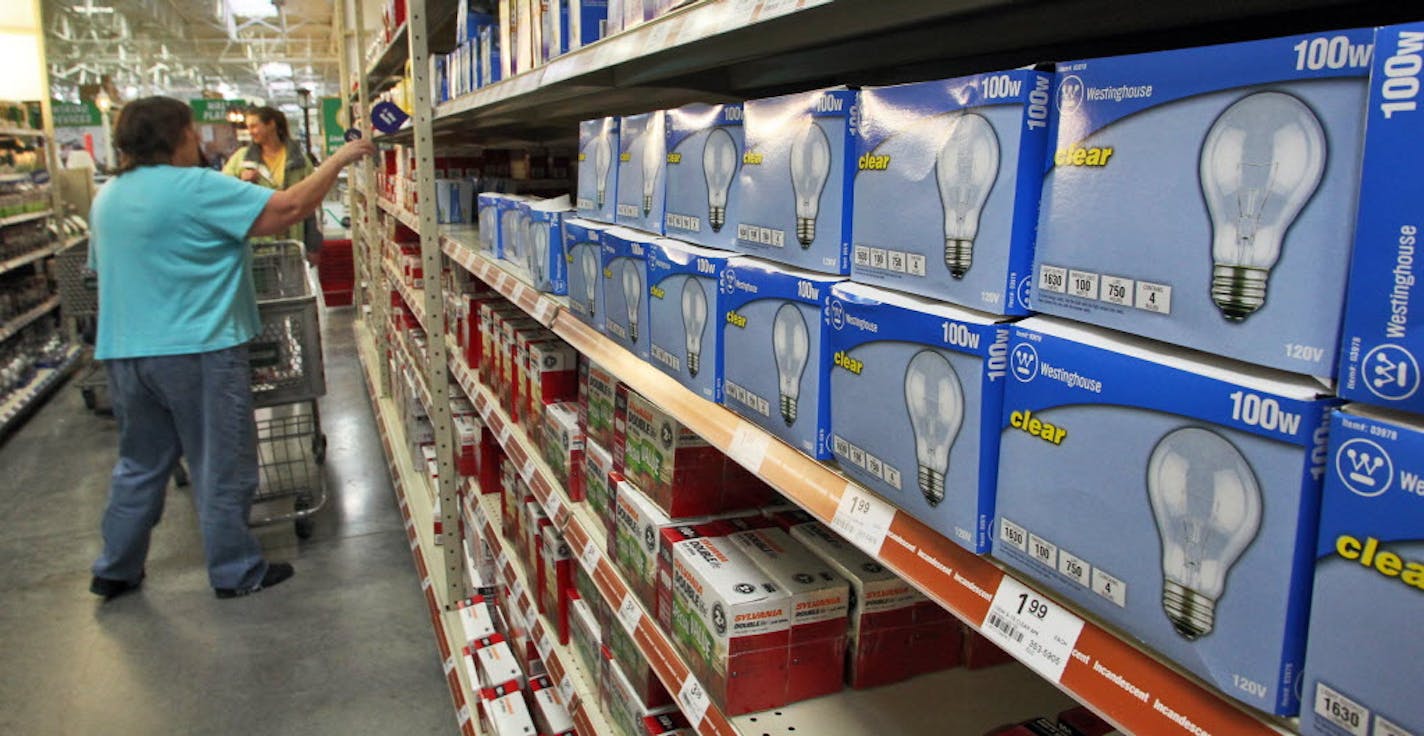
x=344, y=647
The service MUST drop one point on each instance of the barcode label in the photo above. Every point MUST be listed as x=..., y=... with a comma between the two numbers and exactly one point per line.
x=1005, y=626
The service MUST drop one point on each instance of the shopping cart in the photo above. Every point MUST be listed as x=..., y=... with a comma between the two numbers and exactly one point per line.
x=79, y=301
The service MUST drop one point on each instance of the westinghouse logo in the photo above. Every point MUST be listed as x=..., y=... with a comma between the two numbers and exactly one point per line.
x=1364, y=467
x=1024, y=362
x=1391, y=373
x=1070, y=93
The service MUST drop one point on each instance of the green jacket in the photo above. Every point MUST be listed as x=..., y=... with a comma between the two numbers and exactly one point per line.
x=299, y=167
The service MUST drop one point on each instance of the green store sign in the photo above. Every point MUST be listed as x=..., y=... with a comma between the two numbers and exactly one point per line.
x=333, y=124
x=214, y=111
x=76, y=115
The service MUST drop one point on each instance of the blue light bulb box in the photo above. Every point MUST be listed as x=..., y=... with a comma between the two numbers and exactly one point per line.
x=775, y=353
x=798, y=172
x=625, y=288
x=1169, y=493
x=947, y=187
x=547, y=266
x=1362, y=668
x=509, y=226
x=487, y=206
x=704, y=147
x=642, y=171
x=685, y=335
x=598, y=169
x=928, y=440
x=583, y=254
x=1381, y=346
x=1206, y=197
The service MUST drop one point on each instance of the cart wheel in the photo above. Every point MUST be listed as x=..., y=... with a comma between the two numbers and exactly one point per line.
x=319, y=448
x=90, y=402
x=180, y=475
x=304, y=525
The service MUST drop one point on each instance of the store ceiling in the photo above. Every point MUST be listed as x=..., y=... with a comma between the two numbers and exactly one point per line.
x=252, y=49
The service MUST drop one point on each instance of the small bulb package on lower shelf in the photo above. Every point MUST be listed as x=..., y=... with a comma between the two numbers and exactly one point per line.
x=514, y=337
x=667, y=724
x=564, y=447
x=946, y=196
x=1362, y=668
x=597, y=465
x=625, y=709
x=544, y=254
x=469, y=431
x=820, y=601
x=936, y=454
x=599, y=149
x=598, y=388
x=491, y=312
x=475, y=618
x=1181, y=502
x=551, y=713
x=1206, y=197
x=556, y=562
x=732, y=623
x=797, y=178
x=496, y=661
x=668, y=538
x=1380, y=350
x=646, y=687
x=704, y=146
x=583, y=252
x=685, y=339
x=776, y=357
x=638, y=522
x=642, y=171
x=454, y=200
x=550, y=375
x=505, y=710
x=895, y=631
x=625, y=288
x=585, y=633
x=679, y=471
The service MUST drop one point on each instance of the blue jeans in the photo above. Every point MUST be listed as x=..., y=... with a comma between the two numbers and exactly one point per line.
x=197, y=406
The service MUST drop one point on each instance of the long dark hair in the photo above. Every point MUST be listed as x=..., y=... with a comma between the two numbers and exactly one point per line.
x=149, y=131
x=273, y=116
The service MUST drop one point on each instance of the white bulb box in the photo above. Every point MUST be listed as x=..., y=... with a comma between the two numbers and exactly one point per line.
x=775, y=355
x=496, y=661
x=551, y=714
x=638, y=524
x=550, y=376
x=505, y=710
x=820, y=601
x=685, y=339
x=585, y=633
x=586, y=21
x=732, y=623
x=563, y=445
x=947, y=187
x=1172, y=494
x=1206, y=197
x=1362, y=674
x=625, y=288
x=930, y=443
x=545, y=261
x=597, y=465
x=583, y=252
x=704, y=156
x=475, y=618
x=797, y=177
x=599, y=149
x=642, y=171
x=509, y=228
x=1379, y=357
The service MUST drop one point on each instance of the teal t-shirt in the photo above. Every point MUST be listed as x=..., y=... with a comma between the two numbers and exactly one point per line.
x=175, y=271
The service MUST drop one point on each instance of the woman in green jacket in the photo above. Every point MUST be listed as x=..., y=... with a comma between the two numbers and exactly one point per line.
x=276, y=161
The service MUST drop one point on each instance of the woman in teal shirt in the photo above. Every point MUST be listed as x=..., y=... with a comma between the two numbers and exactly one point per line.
x=176, y=310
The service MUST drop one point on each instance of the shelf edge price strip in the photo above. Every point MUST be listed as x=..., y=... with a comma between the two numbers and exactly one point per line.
x=1038, y=631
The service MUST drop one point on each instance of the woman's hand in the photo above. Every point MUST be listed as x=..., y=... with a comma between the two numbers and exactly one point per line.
x=249, y=175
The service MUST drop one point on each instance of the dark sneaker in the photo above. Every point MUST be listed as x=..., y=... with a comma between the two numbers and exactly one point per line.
x=276, y=573
x=109, y=589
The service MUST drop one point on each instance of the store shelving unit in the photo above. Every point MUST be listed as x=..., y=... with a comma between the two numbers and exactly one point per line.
x=12, y=327
x=18, y=405
x=25, y=217
x=734, y=49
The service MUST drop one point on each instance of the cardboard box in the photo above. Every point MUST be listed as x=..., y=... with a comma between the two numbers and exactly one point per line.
x=1361, y=672
x=583, y=251
x=704, y=146
x=1205, y=197
x=557, y=562
x=667, y=724
x=545, y=261
x=1379, y=358
x=599, y=149
x=668, y=538
x=679, y=471
x=797, y=178
x=642, y=171
x=475, y=618
x=469, y=431
x=625, y=289
x=684, y=339
x=505, y=710
x=587, y=19
x=551, y=375
x=600, y=391
x=586, y=634
x=624, y=709
x=820, y=601
x=564, y=447
x=733, y=625
x=947, y=188
x=509, y=229
x=496, y=661
x=638, y=522
x=597, y=465
x=776, y=357
x=1199, y=449
x=934, y=452
x=644, y=684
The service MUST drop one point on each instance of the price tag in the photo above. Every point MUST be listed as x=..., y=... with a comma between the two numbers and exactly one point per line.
x=425, y=583
x=464, y=715
x=554, y=507
x=566, y=691
x=504, y=433
x=1032, y=628
x=748, y=446
x=500, y=562
x=516, y=591
x=630, y=613
x=545, y=647
x=527, y=472
x=863, y=518
x=543, y=311
x=449, y=665
x=591, y=556
x=520, y=292
x=693, y=701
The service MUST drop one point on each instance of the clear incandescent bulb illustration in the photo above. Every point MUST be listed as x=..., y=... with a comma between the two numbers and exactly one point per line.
x=966, y=168
x=653, y=153
x=694, y=321
x=810, y=167
x=538, y=250
x=790, y=343
x=1207, y=505
x=588, y=263
x=632, y=292
x=1261, y=161
x=602, y=161
x=935, y=401
x=719, y=164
